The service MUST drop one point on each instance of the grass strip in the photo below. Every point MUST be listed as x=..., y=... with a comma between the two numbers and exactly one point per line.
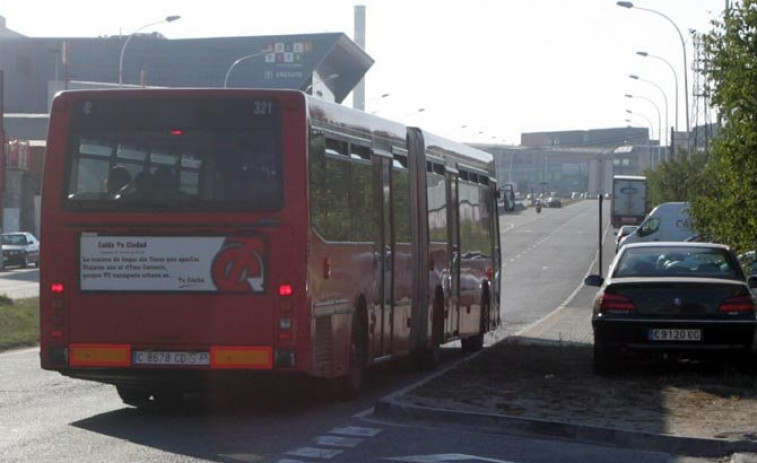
x=19, y=322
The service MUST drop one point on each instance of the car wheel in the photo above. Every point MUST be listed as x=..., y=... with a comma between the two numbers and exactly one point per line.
x=605, y=359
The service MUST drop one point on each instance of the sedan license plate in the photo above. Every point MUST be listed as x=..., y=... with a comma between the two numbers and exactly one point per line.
x=151, y=357
x=675, y=335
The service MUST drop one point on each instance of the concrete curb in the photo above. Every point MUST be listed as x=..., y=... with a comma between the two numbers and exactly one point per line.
x=390, y=407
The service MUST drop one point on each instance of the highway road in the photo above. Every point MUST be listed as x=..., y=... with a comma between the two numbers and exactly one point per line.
x=45, y=417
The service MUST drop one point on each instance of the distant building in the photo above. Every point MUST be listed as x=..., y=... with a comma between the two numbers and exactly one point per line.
x=34, y=69
x=329, y=65
x=574, y=161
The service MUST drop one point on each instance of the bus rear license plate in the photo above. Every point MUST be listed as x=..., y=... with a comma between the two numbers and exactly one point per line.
x=147, y=357
x=675, y=335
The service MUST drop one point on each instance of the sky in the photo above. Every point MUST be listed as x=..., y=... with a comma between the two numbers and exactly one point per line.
x=473, y=70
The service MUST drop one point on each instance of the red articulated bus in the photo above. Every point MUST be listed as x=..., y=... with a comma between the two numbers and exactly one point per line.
x=195, y=235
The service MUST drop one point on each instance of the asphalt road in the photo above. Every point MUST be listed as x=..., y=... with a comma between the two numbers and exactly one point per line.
x=45, y=417
x=546, y=257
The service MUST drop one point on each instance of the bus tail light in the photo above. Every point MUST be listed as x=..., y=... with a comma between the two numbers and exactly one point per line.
x=286, y=290
x=56, y=288
x=241, y=357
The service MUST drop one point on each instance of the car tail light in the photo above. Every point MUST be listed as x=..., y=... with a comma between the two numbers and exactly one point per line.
x=616, y=303
x=737, y=304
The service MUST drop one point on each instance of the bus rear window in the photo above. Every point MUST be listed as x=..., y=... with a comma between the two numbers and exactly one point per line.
x=140, y=154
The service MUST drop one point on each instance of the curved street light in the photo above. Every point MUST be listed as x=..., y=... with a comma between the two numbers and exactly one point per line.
x=683, y=45
x=657, y=108
x=167, y=19
x=234, y=64
x=675, y=79
x=651, y=126
x=310, y=87
x=419, y=110
x=664, y=97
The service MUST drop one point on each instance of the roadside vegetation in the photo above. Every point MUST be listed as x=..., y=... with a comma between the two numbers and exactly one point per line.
x=721, y=183
x=19, y=322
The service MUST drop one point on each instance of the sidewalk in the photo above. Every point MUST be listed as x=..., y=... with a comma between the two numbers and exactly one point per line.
x=566, y=330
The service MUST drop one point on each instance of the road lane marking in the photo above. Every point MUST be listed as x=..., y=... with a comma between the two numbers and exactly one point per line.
x=445, y=457
x=312, y=452
x=573, y=294
x=338, y=441
x=357, y=431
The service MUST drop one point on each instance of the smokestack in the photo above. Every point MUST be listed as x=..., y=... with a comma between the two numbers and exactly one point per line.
x=358, y=95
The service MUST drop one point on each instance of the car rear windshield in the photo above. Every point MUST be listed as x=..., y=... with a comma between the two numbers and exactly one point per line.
x=168, y=154
x=704, y=262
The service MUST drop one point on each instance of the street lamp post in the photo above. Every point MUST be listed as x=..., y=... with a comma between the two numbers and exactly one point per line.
x=234, y=64
x=380, y=97
x=419, y=110
x=675, y=79
x=657, y=108
x=310, y=87
x=651, y=126
x=664, y=97
x=167, y=19
x=683, y=45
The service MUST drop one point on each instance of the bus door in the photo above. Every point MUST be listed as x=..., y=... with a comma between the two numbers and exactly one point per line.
x=453, y=230
x=382, y=319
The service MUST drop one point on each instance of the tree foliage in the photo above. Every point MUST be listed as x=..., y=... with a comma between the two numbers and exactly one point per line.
x=675, y=179
x=726, y=209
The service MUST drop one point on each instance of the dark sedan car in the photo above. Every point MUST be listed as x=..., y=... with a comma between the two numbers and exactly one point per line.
x=20, y=249
x=553, y=202
x=687, y=299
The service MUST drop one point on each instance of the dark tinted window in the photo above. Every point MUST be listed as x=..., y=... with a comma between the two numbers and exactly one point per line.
x=661, y=261
x=172, y=154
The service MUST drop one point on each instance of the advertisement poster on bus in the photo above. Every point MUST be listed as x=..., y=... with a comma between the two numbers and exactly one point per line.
x=181, y=263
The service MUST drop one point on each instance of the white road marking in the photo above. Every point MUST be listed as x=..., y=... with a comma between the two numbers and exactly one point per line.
x=356, y=431
x=338, y=441
x=445, y=457
x=312, y=452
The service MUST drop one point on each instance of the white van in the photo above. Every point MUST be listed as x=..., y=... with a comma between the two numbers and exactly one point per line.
x=666, y=222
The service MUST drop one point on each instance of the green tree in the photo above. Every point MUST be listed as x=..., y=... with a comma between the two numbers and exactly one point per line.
x=726, y=208
x=676, y=179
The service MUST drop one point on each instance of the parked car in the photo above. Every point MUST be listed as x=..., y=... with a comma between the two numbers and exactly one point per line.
x=666, y=222
x=748, y=262
x=684, y=299
x=553, y=202
x=622, y=232
x=20, y=249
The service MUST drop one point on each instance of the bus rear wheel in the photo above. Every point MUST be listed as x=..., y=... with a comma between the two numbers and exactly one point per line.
x=134, y=395
x=428, y=359
x=476, y=342
x=352, y=383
